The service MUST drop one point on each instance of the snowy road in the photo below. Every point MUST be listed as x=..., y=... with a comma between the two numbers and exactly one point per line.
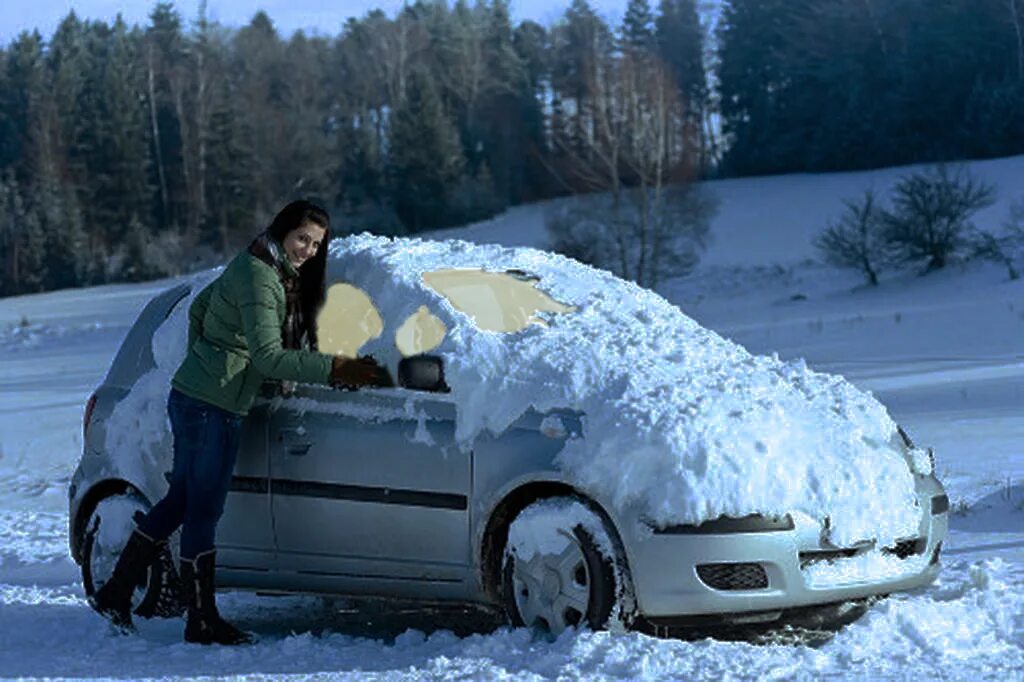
x=968, y=625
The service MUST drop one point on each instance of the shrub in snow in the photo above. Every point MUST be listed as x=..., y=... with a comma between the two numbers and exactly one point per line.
x=1005, y=247
x=650, y=236
x=930, y=220
x=857, y=239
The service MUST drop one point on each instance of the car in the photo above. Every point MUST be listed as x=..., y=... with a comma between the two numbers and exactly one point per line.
x=558, y=445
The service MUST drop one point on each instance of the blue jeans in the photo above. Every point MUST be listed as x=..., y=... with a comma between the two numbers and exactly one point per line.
x=205, y=448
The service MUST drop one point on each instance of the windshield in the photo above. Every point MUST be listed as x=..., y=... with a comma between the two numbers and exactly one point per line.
x=497, y=301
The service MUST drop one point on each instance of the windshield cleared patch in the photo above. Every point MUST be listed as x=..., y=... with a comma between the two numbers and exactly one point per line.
x=497, y=301
x=421, y=332
x=347, y=321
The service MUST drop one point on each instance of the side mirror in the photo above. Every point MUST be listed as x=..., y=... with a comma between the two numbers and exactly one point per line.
x=422, y=373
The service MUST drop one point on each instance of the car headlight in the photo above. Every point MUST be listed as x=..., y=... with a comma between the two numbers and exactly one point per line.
x=920, y=460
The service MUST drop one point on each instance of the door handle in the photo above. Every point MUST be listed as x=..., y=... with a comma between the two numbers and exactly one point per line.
x=294, y=443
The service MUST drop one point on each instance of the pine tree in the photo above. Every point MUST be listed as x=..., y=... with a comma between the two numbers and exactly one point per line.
x=7, y=126
x=532, y=44
x=65, y=244
x=637, y=31
x=9, y=273
x=680, y=41
x=425, y=158
x=261, y=88
x=68, y=63
x=22, y=240
x=582, y=44
x=20, y=100
x=118, y=181
x=165, y=73
x=754, y=39
x=231, y=158
x=507, y=102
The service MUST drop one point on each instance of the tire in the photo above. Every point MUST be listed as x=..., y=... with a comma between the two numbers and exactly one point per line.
x=106, y=533
x=557, y=573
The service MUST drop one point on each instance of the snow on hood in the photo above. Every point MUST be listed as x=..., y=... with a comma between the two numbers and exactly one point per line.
x=681, y=425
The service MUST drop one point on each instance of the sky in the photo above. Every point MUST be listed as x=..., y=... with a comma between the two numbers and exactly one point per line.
x=325, y=16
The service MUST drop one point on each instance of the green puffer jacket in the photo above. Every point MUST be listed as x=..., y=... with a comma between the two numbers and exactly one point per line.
x=234, y=339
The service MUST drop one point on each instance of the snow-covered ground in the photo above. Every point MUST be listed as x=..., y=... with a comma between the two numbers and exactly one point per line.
x=945, y=353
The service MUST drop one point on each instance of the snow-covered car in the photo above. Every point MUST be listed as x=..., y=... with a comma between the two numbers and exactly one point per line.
x=559, y=443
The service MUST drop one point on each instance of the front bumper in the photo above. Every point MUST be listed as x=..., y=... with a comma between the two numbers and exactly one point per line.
x=667, y=582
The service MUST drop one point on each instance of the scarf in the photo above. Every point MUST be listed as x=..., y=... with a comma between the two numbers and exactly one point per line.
x=266, y=248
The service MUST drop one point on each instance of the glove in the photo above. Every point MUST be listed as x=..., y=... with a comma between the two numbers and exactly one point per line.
x=363, y=371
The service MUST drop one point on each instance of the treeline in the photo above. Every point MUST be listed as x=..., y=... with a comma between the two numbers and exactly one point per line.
x=817, y=85
x=129, y=152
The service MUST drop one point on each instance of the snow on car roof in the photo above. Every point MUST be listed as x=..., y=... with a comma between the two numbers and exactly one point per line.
x=680, y=423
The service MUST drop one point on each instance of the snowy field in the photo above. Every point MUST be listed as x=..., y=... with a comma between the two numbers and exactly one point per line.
x=945, y=353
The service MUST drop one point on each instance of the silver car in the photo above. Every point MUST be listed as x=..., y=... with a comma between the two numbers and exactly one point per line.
x=369, y=494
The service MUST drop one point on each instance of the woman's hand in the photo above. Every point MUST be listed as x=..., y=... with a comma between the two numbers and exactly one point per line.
x=362, y=371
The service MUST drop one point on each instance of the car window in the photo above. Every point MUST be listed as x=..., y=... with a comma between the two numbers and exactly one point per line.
x=497, y=301
x=347, y=320
x=420, y=333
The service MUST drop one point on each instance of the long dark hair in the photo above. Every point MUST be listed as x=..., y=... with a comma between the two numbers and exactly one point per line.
x=312, y=273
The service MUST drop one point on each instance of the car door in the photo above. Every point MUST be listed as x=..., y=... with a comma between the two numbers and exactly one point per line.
x=245, y=538
x=370, y=492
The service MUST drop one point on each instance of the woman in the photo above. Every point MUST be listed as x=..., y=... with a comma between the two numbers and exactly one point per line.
x=256, y=321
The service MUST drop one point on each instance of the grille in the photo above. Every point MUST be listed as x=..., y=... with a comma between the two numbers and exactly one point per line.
x=818, y=555
x=904, y=549
x=733, y=576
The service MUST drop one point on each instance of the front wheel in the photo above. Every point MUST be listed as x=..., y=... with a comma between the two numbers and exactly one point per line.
x=561, y=568
x=106, y=533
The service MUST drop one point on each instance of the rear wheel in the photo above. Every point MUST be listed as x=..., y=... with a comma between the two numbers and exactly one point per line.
x=560, y=568
x=108, y=529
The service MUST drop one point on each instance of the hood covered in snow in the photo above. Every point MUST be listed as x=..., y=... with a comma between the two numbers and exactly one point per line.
x=680, y=424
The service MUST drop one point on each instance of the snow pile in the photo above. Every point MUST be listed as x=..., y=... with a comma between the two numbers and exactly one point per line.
x=680, y=423
x=969, y=627
x=974, y=613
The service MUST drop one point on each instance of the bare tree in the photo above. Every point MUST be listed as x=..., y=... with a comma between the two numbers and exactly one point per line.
x=200, y=48
x=857, y=239
x=1005, y=247
x=397, y=46
x=930, y=220
x=631, y=149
